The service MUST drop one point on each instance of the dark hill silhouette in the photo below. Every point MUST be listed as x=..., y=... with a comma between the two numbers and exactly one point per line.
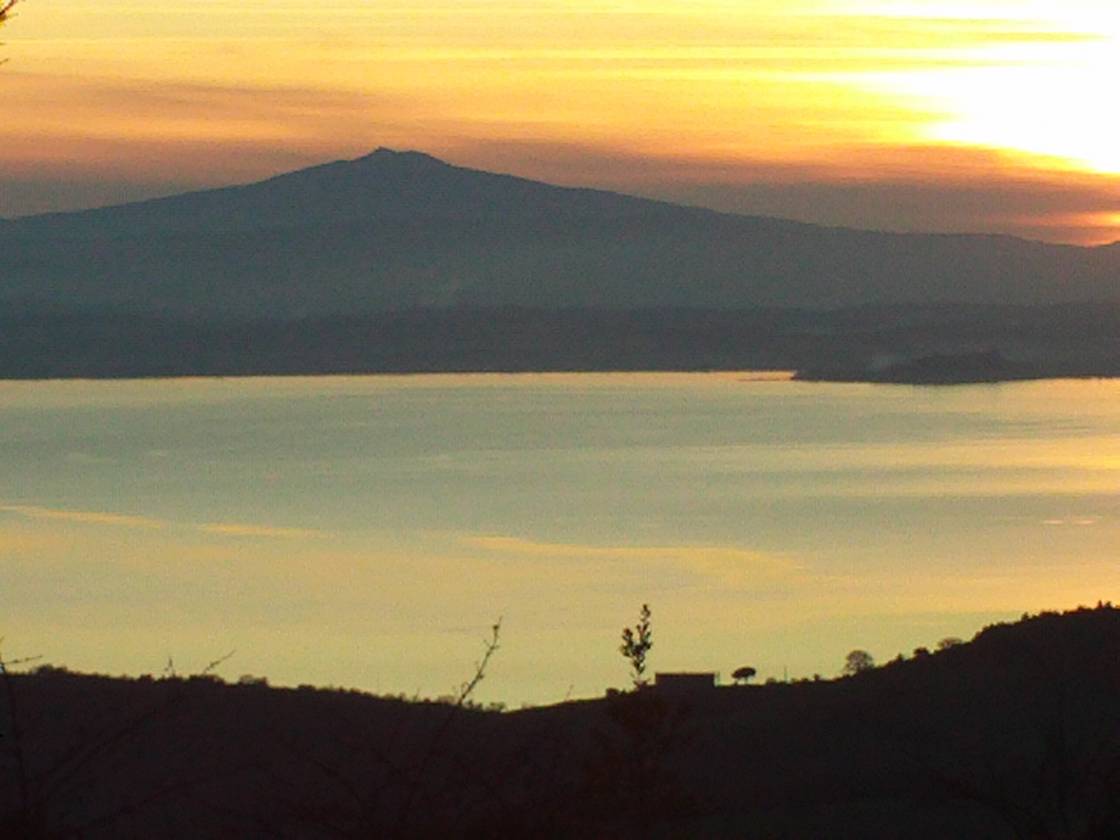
x=397, y=230
x=1014, y=734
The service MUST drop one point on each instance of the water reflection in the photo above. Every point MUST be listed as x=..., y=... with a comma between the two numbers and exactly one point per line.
x=364, y=531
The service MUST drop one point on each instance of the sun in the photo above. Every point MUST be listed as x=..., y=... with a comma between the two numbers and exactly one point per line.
x=1043, y=87
x=1056, y=105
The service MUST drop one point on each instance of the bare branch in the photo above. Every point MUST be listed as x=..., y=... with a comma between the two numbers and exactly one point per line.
x=213, y=665
x=490, y=646
x=23, y=778
x=6, y=7
x=12, y=663
x=421, y=768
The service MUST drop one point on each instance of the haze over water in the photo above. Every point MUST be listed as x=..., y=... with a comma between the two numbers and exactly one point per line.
x=366, y=531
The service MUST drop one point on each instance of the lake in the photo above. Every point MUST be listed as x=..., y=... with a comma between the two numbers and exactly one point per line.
x=367, y=531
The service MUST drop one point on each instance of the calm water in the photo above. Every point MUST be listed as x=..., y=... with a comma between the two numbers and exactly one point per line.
x=367, y=531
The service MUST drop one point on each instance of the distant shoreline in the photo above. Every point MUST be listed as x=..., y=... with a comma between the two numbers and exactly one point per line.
x=739, y=375
x=911, y=344
x=806, y=377
x=988, y=367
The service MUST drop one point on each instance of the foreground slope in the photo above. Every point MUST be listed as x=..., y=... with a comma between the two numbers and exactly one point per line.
x=1012, y=735
x=397, y=230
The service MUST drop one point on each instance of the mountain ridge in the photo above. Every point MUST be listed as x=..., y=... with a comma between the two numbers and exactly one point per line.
x=394, y=170
x=417, y=159
x=401, y=229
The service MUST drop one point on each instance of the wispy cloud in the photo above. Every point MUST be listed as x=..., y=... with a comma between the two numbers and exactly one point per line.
x=1074, y=521
x=85, y=517
x=40, y=543
x=147, y=523
x=230, y=529
x=731, y=565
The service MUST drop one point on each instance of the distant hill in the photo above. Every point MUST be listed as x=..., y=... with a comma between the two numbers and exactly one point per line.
x=900, y=344
x=400, y=230
x=1012, y=735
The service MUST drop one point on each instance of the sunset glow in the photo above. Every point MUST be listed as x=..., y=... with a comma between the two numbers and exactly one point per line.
x=867, y=112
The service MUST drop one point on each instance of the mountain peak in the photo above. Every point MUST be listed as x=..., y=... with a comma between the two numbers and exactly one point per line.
x=383, y=154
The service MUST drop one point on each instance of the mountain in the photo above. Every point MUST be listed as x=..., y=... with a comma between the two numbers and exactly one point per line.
x=400, y=230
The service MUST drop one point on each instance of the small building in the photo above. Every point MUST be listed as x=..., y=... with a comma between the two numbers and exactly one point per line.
x=685, y=683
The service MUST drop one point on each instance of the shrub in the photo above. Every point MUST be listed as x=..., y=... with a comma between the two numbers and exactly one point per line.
x=857, y=662
x=636, y=642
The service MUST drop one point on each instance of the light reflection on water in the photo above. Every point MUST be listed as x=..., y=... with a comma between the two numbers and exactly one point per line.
x=366, y=531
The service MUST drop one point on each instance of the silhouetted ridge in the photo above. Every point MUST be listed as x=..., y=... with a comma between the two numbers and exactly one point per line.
x=1012, y=735
x=383, y=185
x=399, y=229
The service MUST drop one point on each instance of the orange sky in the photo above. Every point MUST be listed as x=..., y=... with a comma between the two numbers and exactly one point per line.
x=990, y=115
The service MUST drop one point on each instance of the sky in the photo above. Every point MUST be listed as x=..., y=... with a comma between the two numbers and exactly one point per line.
x=988, y=116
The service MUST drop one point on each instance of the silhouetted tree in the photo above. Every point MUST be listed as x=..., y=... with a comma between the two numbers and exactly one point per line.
x=857, y=662
x=636, y=642
x=744, y=674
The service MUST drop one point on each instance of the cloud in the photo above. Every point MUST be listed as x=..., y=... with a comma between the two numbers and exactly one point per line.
x=1075, y=521
x=731, y=565
x=25, y=541
x=119, y=520
x=261, y=531
x=83, y=517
